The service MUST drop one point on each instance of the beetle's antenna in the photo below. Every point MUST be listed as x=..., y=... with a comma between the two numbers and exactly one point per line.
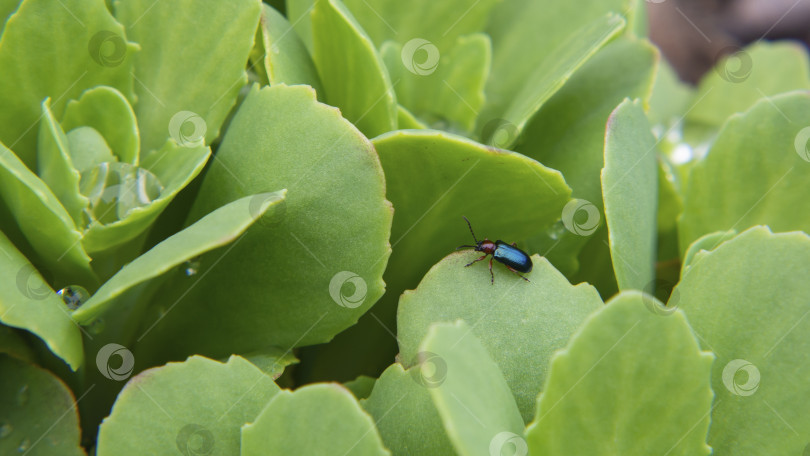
x=471, y=230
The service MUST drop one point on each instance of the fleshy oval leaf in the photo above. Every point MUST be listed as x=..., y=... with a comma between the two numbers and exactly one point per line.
x=289, y=421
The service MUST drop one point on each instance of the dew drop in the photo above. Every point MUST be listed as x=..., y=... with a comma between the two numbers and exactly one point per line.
x=97, y=326
x=556, y=230
x=73, y=296
x=191, y=267
x=5, y=430
x=24, y=446
x=22, y=395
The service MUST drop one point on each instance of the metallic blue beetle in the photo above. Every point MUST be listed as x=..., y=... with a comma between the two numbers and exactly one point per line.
x=513, y=258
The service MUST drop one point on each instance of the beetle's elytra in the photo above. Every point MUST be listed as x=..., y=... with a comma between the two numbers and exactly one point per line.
x=509, y=255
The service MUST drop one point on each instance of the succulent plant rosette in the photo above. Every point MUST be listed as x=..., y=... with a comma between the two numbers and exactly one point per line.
x=230, y=228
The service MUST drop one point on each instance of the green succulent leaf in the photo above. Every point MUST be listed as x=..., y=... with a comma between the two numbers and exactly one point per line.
x=361, y=386
x=272, y=361
x=670, y=97
x=401, y=22
x=215, y=37
x=359, y=85
x=609, y=391
x=548, y=307
x=87, y=148
x=216, y=229
x=568, y=133
x=335, y=230
x=746, y=75
x=749, y=187
x=747, y=302
x=470, y=392
x=433, y=179
x=291, y=419
x=27, y=302
x=407, y=121
x=174, y=166
x=554, y=72
x=84, y=47
x=55, y=167
x=169, y=405
x=562, y=34
x=705, y=243
x=670, y=205
x=108, y=112
x=279, y=55
x=408, y=421
x=38, y=414
x=44, y=222
x=7, y=8
x=447, y=91
x=13, y=344
x=630, y=189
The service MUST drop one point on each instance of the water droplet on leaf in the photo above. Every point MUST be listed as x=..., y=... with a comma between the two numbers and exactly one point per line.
x=24, y=446
x=191, y=267
x=73, y=296
x=115, y=189
x=557, y=230
x=5, y=430
x=22, y=395
x=97, y=326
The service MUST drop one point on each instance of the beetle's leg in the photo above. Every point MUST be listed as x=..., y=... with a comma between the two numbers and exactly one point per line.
x=490, y=271
x=471, y=262
x=514, y=245
x=518, y=274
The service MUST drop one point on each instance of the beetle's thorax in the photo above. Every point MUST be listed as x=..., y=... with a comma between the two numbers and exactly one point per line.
x=486, y=246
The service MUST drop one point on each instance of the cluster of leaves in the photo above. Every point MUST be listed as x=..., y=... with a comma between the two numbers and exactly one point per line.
x=175, y=304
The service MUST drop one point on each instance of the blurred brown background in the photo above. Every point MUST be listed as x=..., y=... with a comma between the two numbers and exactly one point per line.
x=692, y=34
